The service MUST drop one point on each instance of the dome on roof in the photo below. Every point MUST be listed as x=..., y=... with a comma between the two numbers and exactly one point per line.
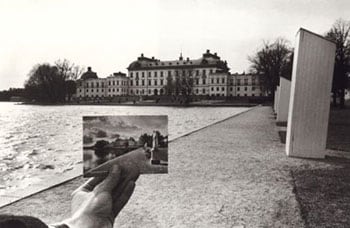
x=89, y=74
x=134, y=65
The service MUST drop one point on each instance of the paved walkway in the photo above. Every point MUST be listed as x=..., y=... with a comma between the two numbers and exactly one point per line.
x=230, y=174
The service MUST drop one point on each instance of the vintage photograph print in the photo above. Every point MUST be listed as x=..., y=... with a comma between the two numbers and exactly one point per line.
x=132, y=142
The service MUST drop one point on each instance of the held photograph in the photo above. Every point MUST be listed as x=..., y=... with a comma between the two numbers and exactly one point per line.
x=132, y=142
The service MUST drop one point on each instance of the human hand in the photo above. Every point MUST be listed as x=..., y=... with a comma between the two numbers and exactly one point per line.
x=97, y=202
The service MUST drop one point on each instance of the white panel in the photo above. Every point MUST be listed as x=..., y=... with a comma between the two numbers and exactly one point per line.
x=275, y=104
x=283, y=100
x=310, y=96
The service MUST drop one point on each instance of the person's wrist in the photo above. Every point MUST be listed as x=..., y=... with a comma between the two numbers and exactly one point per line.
x=87, y=222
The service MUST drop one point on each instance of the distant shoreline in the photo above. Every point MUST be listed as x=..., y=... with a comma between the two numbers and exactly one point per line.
x=221, y=104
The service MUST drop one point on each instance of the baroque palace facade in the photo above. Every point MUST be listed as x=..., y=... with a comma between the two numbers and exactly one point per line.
x=149, y=77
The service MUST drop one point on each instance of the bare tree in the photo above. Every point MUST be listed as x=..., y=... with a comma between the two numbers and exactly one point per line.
x=69, y=73
x=272, y=61
x=340, y=34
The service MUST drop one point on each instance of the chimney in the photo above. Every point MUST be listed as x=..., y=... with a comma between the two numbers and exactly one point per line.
x=216, y=54
x=187, y=59
x=153, y=57
x=208, y=51
x=89, y=68
x=141, y=54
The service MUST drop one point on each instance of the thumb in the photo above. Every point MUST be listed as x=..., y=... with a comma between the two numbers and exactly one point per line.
x=111, y=180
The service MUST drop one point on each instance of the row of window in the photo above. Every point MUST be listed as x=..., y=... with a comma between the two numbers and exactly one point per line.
x=102, y=90
x=155, y=82
x=169, y=73
x=143, y=91
x=97, y=84
x=218, y=81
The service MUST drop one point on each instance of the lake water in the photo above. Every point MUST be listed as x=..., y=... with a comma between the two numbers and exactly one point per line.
x=38, y=142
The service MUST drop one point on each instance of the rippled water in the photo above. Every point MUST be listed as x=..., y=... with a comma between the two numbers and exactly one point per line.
x=32, y=137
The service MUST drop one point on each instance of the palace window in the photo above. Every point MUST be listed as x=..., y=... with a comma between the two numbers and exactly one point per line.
x=137, y=74
x=143, y=74
x=137, y=83
x=161, y=81
x=197, y=72
x=238, y=88
x=130, y=83
x=150, y=82
x=131, y=74
x=203, y=72
x=169, y=73
x=238, y=81
x=223, y=80
x=203, y=91
x=222, y=88
x=161, y=73
x=155, y=82
x=212, y=81
x=212, y=88
x=143, y=82
x=245, y=88
x=218, y=80
x=203, y=81
x=211, y=71
x=253, y=88
x=149, y=74
x=217, y=89
x=155, y=73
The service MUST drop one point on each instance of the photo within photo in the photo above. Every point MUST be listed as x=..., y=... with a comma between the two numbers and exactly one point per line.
x=128, y=141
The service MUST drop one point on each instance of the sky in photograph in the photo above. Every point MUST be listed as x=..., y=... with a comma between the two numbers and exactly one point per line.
x=109, y=35
x=125, y=126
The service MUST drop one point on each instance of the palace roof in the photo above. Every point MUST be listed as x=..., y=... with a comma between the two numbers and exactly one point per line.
x=208, y=60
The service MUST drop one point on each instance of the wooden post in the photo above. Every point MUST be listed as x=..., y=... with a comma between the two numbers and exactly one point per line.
x=310, y=95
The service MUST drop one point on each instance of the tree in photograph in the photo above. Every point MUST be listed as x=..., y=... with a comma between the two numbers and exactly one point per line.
x=272, y=61
x=339, y=33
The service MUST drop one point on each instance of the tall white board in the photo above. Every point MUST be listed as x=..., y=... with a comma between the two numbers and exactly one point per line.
x=310, y=95
x=283, y=100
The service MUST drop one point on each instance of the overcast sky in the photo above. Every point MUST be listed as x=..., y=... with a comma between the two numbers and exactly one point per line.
x=109, y=35
x=126, y=126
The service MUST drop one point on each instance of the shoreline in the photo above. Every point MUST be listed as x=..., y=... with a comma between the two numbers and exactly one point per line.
x=221, y=104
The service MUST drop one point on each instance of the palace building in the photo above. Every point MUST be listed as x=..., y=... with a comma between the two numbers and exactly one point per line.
x=148, y=76
x=209, y=76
